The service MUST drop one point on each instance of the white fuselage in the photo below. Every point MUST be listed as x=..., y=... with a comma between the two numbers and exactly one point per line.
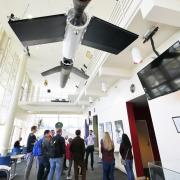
x=72, y=39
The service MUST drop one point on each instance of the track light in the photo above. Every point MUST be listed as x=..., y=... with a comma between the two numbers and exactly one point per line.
x=28, y=53
x=136, y=55
x=82, y=70
x=85, y=66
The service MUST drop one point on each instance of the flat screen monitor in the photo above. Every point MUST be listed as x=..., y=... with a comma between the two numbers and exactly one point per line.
x=162, y=75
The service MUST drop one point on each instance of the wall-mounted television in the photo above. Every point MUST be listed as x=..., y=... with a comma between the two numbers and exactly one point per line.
x=162, y=75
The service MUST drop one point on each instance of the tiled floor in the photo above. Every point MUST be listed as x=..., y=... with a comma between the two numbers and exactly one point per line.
x=91, y=175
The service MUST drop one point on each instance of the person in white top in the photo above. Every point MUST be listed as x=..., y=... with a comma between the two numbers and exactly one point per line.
x=66, y=142
x=90, y=148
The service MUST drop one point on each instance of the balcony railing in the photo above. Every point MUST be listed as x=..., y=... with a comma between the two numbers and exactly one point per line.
x=157, y=172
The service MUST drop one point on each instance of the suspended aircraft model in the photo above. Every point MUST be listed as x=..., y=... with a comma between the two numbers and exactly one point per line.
x=73, y=29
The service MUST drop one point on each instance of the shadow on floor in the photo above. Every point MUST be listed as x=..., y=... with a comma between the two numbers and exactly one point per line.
x=91, y=175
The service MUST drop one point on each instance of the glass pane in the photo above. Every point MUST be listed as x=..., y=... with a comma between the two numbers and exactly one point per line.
x=173, y=68
x=157, y=172
x=176, y=83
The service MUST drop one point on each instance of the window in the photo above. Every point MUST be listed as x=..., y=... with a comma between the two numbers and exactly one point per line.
x=9, y=62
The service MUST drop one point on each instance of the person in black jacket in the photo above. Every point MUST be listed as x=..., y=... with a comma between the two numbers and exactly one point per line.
x=57, y=151
x=126, y=154
x=17, y=143
x=43, y=160
x=77, y=150
x=29, y=156
x=17, y=147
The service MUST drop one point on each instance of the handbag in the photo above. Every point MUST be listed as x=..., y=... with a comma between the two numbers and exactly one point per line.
x=123, y=161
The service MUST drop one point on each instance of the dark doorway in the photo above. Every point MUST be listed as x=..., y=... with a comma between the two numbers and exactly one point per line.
x=95, y=128
x=142, y=134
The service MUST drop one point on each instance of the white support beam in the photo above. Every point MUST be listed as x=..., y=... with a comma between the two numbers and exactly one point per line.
x=95, y=93
x=44, y=107
x=116, y=72
x=162, y=11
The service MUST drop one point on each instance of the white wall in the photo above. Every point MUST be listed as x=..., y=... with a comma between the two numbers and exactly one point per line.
x=162, y=110
x=113, y=107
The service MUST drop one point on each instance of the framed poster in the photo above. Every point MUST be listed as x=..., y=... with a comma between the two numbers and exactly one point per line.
x=109, y=129
x=119, y=130
x=177, y=123
x=101, y=131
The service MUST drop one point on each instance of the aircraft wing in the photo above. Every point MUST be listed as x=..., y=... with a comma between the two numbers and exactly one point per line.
x=40, y=30
x=107, y=37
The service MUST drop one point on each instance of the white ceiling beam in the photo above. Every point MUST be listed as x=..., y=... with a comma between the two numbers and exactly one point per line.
x=116, y=72
x=75, y=109
x=165, y=12
x=94, y=93
x=100, y=62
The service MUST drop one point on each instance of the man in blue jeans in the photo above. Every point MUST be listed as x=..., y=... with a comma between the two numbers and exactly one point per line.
x=29, y=157
x=57, y=154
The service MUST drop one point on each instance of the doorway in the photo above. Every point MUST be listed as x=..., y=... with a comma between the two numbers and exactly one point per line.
x=143, y=137
x=95, y=128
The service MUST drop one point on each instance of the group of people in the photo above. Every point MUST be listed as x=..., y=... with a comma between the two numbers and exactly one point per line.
x=53, y=150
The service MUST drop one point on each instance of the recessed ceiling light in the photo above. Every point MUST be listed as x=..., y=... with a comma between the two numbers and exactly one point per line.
x=29, y=16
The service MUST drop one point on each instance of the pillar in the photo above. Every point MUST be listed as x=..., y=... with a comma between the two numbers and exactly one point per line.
x=36, y=93
x=8, y=127
x=31, y=93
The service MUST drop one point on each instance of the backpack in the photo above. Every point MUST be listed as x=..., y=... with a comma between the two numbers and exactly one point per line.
x=37, y=149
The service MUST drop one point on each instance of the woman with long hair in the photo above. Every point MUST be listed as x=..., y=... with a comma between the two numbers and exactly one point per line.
x=107, y=150
x=126, y=153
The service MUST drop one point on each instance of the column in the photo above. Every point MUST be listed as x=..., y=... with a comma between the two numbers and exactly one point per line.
x=31, y=93
x=36, y=93
x=8, y=127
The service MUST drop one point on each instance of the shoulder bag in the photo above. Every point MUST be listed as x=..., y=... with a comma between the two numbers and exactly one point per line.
x=123, y=161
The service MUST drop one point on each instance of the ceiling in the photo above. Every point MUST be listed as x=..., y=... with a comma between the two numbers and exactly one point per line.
x=44, y=57
x=123, y=61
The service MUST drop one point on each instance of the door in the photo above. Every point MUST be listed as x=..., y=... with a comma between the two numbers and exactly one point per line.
x=95, y=128
x=144, y=143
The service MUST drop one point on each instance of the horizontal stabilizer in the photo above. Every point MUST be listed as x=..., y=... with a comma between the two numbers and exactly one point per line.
x=79, y=73
x=51, y=71
x=107, y=37
x=40, y=30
